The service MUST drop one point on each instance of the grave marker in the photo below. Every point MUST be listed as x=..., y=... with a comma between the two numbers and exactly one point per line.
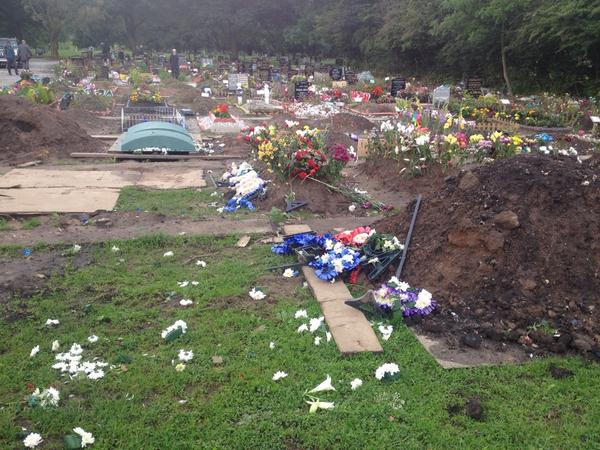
x=441, y=95
x=301, y=89
x=337, y=73
x=474, y=86
x=398, y=84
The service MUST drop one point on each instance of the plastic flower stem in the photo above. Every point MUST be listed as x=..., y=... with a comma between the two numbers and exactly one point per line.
x=351, y=195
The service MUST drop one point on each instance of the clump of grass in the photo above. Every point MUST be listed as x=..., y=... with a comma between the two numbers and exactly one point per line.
x=32, y=223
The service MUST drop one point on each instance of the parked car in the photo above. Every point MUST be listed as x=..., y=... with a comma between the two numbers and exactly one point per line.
x=15, y=44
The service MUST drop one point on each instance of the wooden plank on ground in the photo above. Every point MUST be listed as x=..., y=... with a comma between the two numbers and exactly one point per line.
x=60, y=200
x=351, y=330
x=106, y=137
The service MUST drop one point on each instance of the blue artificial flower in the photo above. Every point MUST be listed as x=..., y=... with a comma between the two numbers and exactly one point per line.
x=282, y=249
x=544, y=137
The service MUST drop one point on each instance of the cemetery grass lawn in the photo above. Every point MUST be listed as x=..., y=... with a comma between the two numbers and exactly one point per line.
x=236, y=405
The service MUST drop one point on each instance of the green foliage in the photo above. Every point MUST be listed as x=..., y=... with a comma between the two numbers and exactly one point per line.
x=30, y=224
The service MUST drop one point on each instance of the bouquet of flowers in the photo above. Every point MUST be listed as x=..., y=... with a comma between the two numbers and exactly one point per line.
x=396, y=299
x=377, y=92
x=306, y=163
x=144, y=94
x=221, y=111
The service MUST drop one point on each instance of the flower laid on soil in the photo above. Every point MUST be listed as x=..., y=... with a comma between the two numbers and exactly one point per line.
x=290, y=273
x=71, y=363
x=256, y=294
x=246, y=184
x=221, y=111
x=186, y=302
x=301, y=314
x=316, y=404
x=396, y=298
x=52, y=322
x=45, y=398
x=86, y=438
x=387, y=372
x=201, y=263
x=168, y=254
x=34, y=351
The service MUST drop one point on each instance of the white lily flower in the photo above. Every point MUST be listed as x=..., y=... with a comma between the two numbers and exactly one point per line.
x=315, y=324
x=34, y=351
x=55, y=346
x=328, y=336
x=32, y=440
x=302, y=328
x=386, y=369
x=195, y=283
x=168, y=254
x=318, y=340
x=317, y=404
x=51, y=322
x=256, y=294
x=279, y=375
x=356, y=383
x=183, y=283
x=301, y=314
x=86, y=438
x=324, y=386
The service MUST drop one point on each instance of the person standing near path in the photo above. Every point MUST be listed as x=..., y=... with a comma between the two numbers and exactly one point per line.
x=174, y=64
x=11, y=58
x=25, y=54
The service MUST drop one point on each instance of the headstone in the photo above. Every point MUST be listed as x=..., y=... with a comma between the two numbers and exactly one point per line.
x=232, y=81
x=398, y=84
x=275, y=75
x=337, y=73
x=301, y=89
x=264, y=73
x=351, y=77
x=474, y=86
x=441, y=95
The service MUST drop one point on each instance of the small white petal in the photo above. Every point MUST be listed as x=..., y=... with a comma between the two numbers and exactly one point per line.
x=34, y=351
x=356, y=383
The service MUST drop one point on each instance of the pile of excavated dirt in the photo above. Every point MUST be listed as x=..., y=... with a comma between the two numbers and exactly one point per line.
x=511, y=251
x=35, y=132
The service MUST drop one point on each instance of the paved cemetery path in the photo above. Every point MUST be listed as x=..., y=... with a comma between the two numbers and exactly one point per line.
x=152, y=225
x=38, y=66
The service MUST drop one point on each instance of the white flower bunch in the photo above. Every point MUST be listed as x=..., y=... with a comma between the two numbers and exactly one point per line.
x=178, y=324
x=386, y=371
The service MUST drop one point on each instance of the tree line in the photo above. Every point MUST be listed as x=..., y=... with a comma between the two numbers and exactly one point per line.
x=515, y=45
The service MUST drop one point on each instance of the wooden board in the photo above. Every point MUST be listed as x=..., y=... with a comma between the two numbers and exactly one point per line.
x=60, y=200
x=152, y=157
x=351, y=330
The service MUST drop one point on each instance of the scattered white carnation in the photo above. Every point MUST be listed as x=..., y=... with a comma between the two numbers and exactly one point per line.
x=86, y=438
x=200, y=263
x=352, y=208
x=301, y=314
x=92, y=339
x=47, y=397
x=315, y=324
x=302, y=328
x=168, y=254
x=328, y=336
x=32, y=440
x=52, y=322
x=76, y=248
x=271, y=345
x=318, y=340
x=386, y=331
x=185, y=355
x=386, y=369
x=183, y=283
x=256, y=294
x=55, y=346
x=279, y=375
x=185, y=302
x=115, y=249
x=178, y=324
x=423, y=299
x=355, y=384
x=34, y=351
x=289, y=273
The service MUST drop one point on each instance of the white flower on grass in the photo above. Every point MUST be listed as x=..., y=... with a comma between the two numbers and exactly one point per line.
x=279, y=375
x=386, y=331
x=183, y=283
x=32, y=440
x=185, y=302
x=356, y=383
x=76, y=349
x=76, y=248
x=86, y=438
x=48, y=397
x=385, y=370
x=92, y=339
x=180, y=367
x=352, y=208
x=168, y=254
x=34, y=351
x=55, y=346
x=185, y=355
x=271, y=345
x=315, y=324
x=316, y=404
x=302, y=328
x=51, y=322
x=256, y=294
x=195, y=283
x=115, y=249
x=328, y=336
x=318, y=340
x=178, y=324
x=96, y=374
x=301, y=314
x=423, y=299
x=324, y=386
x=200, y=263
x=289, y=273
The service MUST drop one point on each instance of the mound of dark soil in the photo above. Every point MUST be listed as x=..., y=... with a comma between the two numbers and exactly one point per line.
x=512, y=251
x=29, y=132
x=350, y=123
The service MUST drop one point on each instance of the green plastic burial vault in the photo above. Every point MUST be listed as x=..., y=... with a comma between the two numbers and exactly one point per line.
x=156, y=136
